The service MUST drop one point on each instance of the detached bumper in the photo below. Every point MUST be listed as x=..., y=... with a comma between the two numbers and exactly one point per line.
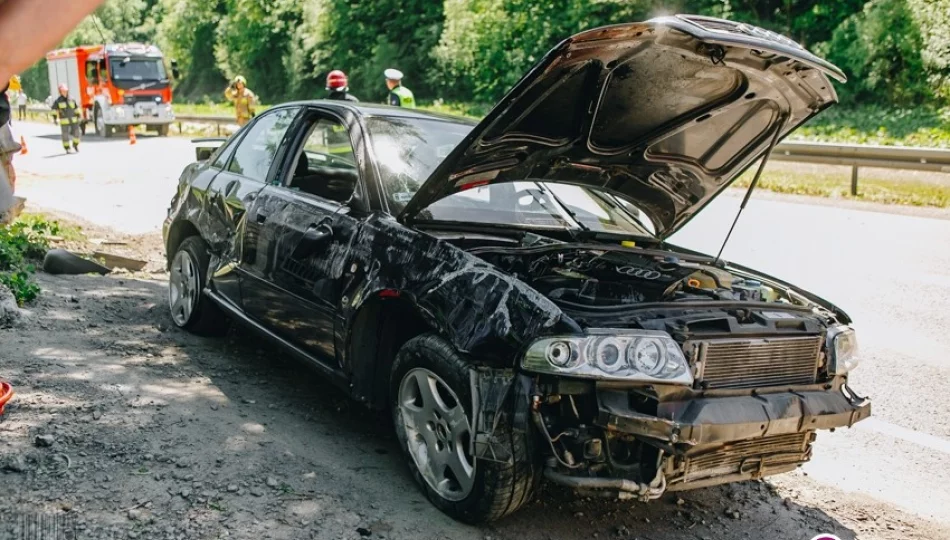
x=724, y=419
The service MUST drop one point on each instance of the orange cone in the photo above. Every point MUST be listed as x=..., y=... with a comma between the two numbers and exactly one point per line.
x=131, y=135
x=23, y=150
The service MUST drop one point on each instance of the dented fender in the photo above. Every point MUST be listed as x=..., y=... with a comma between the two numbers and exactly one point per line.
x=483, y=312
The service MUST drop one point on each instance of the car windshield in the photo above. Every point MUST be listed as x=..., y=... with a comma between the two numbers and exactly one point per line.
x=409, y=149
x=137, y=69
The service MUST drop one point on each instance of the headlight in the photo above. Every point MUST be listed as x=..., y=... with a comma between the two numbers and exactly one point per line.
x=617, y=355
x=842, y=346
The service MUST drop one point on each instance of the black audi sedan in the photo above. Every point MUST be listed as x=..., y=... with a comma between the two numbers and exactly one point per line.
x=506, y=288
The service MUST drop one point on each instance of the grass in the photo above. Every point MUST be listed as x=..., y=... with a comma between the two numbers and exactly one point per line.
x=923, y=126
x=838, y=186
x=23, y=244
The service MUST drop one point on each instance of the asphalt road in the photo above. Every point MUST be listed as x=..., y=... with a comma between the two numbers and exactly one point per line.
x=890, y=272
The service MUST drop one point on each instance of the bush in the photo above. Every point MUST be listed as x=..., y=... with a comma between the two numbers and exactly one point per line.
x=880, y=50
x=22, y=244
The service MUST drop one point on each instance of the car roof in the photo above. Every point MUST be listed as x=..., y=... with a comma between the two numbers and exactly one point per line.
x=374, y=109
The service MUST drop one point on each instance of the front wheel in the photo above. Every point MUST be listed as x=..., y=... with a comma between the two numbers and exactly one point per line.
x=431, y=404
x=100, y=122
x=163, y=130
x=190, y=308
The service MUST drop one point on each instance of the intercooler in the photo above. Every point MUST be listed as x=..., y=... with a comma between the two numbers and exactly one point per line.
x=754, y=363
x=753, y=458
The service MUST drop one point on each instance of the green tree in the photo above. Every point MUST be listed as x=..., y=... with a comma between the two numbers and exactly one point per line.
x=880, y=50
x=487, y=45
x=365, y=38
x=253, y=38
x=185, y=34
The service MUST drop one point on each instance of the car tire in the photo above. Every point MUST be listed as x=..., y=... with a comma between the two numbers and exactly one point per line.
x=163, y=130
x=494, y=489
x=189, y=307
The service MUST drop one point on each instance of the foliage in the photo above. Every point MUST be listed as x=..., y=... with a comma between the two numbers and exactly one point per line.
x=896, y=52
x=21, y=244
x=487, y=45
x=879, y=48
x=186, y=33
x=920, y=126
x=880, y=190
x=365, y=38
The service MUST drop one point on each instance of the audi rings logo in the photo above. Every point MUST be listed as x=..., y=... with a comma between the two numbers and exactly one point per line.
x=826, y=537
x=642, y=273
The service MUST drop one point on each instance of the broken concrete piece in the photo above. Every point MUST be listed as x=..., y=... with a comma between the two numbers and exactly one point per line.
x=7, y=216
x=60, y=261
x=116, y=261
x=9, y=311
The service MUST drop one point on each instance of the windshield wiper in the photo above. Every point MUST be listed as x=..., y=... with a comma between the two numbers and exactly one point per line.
x=568, y=211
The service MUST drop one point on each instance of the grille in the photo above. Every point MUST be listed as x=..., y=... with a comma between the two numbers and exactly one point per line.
x=757, y=456
x=759, y=362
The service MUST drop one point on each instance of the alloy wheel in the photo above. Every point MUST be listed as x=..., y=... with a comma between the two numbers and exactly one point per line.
x=438, y=433
x=183, y=287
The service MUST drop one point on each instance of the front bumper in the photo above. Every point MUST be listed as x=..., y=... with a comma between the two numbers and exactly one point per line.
x=711, y=420
x=120, y=115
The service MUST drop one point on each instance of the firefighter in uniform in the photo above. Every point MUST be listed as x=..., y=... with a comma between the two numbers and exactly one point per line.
x=67, y=111
x=399, y=95
x=244, y=100
x=338, y=86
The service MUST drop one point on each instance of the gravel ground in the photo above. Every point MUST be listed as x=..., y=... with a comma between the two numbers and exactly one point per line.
x=134, y=429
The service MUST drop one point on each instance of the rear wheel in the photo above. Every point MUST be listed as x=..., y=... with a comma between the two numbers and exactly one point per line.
x=190, y=308
x=431, y=404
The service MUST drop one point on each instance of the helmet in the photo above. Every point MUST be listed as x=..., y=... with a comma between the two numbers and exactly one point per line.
x=240, y=79
x=63, y=88
x=393, y=74
x=336, y=80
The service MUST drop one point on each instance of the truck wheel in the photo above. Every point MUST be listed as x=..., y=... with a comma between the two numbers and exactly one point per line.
x=102, y=129
x=163, y=130
x=190, y=308
x=431, y=402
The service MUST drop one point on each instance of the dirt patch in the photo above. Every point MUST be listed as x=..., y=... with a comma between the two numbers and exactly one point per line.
x=142, y=247
x=125, y=427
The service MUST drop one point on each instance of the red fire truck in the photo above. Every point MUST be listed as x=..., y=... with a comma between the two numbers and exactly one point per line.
x=117, y=85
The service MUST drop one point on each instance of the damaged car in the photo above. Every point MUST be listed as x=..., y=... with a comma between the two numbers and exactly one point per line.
x=507, y=289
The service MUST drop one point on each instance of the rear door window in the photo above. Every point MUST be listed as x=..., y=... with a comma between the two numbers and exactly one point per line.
x=255, y=153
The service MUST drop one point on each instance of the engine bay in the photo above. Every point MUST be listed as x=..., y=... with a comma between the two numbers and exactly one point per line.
x=590, y=277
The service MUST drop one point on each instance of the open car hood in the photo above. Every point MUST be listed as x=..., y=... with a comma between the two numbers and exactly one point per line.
x=665, y=114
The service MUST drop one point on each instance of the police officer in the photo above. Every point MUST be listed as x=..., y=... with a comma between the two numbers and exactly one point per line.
x=338, y=86
x=399, y=95
x=244, y=100
x=67, y=111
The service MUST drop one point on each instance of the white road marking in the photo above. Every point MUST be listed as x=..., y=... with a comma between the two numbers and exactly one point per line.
x=926, y=440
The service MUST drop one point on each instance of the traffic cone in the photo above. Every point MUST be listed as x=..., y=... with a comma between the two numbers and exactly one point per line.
x=131, y=135
x=23, y=150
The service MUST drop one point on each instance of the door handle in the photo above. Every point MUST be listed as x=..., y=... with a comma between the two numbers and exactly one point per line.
x=313, y=238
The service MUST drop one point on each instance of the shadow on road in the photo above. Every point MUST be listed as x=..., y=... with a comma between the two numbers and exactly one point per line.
x=92, y=138
x=195, y=425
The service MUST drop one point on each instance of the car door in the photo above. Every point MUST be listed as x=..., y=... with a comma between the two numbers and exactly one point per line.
x=293, y=269
x=241, y=177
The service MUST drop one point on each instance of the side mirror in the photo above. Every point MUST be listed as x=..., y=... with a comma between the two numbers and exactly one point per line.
x=203, y=153
x=176, y=74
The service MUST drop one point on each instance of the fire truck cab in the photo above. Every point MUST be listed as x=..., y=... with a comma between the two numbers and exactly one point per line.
x=116, y=85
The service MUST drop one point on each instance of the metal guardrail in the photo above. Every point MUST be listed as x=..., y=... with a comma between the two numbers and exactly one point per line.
x=858, y=155
x=849, y=155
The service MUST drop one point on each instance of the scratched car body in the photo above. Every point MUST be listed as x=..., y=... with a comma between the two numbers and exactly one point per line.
x=505, y=288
